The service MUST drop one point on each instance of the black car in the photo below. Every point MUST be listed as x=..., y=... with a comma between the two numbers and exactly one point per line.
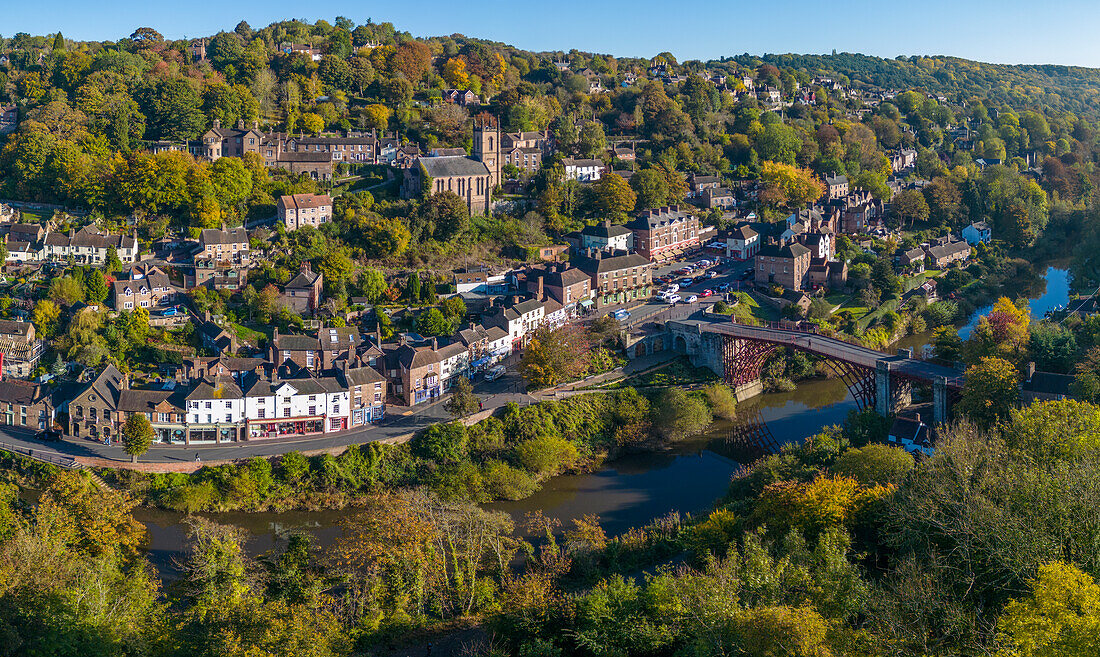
x=747, y=274
x=48, y=435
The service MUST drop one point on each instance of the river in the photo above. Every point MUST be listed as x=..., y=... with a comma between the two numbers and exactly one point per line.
x=632, y=490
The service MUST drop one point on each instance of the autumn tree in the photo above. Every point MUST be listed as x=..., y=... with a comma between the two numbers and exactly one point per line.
x=613, y=197
x=1059, y=618
x=554, y=355
x=789, y=186
x=910, y=207
x=463, y=401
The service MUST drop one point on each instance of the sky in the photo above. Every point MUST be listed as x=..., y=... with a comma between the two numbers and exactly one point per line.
x=1002, y=31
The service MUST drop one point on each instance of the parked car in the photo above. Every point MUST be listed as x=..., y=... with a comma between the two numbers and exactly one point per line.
x=686, y=282
x=48, y=435
x=712, y=274
x=703, y=264
x=692, y=299
x=671, y=289
x=494, y=373
x=722, y=287
x=706, y=293
x=673, y=299
x=621, y=315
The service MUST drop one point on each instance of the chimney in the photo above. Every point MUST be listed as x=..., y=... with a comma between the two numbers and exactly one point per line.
x=225, y=227
x=255, y=124
x=541, y=294
x=435, y=344
x=378, y=333
x=305, y=267
x=240, y=124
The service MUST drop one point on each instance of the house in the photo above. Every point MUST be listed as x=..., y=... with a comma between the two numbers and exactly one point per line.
x=414, y=372
x=617, y=276
x=976, y=233
x=604, y=236
x=465, y=176
x=93, y=412
x=24, y=404
x=454, y=361
x=742, y=242
x=207, y=272
x=832, y=274
x=302, y=405
x=1044, y=386
x=480, y=281
x=215, y=337
x=796, y=298
x=523, y=150
x=9, y=119
x=215, y=410
x=697, y=183
x=911, y=261
x=297, y=210
x=903, y=159
x=569, y=286
x=510, y=321
x=463, y=97
x=785, y=265
x=943, y=252
x=367, y=391
x=165, y=410
x=218, y=142
x=928, y=289
x=836, y=186
x=302, y=350
x=20, y=350
x=582, y=170
x=717, y=197
x=146, y=287
x=664, y=232
x=309, y=51
x=302, y=295
x=89, y=245
x=338, y=345
x=196, y=50
x=485, y=344
x=225, y=246
x=912, y=435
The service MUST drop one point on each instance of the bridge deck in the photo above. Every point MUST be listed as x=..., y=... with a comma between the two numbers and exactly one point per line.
x=839, y=350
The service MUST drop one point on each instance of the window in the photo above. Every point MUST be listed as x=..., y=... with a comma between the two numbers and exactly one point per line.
x=286, y=412
x=162, y=417
x=336, y=408
x=261, y=413
x=209, y=418
x=209, y=405
x=313, y=410
x=228, y=417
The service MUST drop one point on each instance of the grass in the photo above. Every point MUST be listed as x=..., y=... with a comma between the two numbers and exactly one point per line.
x=676, y=373
x=249, y=335
x=749, y=308
x=35, y=216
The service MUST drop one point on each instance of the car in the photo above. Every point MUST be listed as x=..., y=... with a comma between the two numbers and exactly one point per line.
x=48, y=435
x=692, y=299
x=673, y=299
x=671, y=289
x=686, y=282
x=494, y=373
x=703, y=264
x=747, y=274
x=621, y=315
x=722, y=287
x=171, y=312
x=706, y=293
x=712, y=274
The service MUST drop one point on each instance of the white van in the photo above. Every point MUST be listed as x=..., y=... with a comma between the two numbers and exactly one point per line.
x=494, y=373
x=673, y=299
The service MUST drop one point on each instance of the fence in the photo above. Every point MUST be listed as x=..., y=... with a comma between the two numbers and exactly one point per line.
x=52, y=458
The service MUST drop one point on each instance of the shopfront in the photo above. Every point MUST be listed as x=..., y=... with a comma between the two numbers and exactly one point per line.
x=283, y=428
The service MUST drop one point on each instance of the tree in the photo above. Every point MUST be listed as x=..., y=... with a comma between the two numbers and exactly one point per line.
x=444, y=216
x=991, y=390
x=376, y=116
x=463, y=401
x=678, y=415
x=372, y=283
x=1059, y=618
x=874, y=464
x=910, y=207
x=650, y=187
x=45, y=317
x=554, y=355
x=312, y=122
x=441, y=443
x=613, y=197
x=137, y=435
x=789, y=186
x=95, y=287
x=412, y=288
x=433, y=323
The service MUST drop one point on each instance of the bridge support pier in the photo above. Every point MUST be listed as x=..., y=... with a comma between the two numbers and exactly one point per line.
x=882, y=388
x=939, y=399
x=748, y=390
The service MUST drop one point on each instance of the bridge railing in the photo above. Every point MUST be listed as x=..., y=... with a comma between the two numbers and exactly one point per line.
x=42, y=455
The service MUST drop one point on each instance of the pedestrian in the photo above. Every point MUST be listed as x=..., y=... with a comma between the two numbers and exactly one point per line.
x=480, y=406
x=197, y=459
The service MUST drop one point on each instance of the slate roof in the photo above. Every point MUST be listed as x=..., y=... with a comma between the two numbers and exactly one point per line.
x=452, y=165
x=304, y=279
x=8, y=327
x=606, y=230
x=218, y=236
x=790, y=251
x=19, y=392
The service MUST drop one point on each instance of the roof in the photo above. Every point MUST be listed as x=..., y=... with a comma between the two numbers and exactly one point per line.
x=220, y=387
x=19, y=392
x=905, y=428
x=836, y=180
x=304, y=201
x=8, y=327
x=107, y=384
x=296, y=343
x=584, y=164
x=949, y=249
x=1048, y=383
x=230, y=236
x=602, y=265
x=528, y=306
x=656, y=218
x=141, y=401
x=304, y=279
x=743, y=233
x=606, y=230
x=790, y=251
x=341, y=336
x=451, y=350
x=358, y=376
x=452, y=165
x=414, y=357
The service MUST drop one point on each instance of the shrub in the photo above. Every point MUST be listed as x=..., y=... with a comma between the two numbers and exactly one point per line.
x=441, y=443
x=874, y=464
x=722, y=402
x=503, y=482
x=678, y=415
x=546, y=454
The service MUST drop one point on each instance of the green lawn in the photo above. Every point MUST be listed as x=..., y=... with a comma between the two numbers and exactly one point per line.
x=35, y=216
x=250, y=335
x=749, y=308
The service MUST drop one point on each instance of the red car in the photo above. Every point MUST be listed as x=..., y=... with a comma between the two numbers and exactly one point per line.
x=706, y=293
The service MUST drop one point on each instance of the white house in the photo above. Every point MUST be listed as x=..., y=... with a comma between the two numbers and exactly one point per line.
x=296, y=407
x=604, y=236
x=742, y=243
x=215, y=410
x=454, y=361
x=976, y=233
x=582, y=170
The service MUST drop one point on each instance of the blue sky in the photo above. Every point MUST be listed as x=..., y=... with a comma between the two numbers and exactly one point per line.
x=1009, y=31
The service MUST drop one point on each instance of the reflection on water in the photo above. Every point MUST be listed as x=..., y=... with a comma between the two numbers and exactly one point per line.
x=1045, y=293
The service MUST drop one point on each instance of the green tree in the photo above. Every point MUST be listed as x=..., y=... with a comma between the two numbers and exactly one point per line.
x=991, y=391
x=613, y=197
x=95, y=287
x=650, y=188
x=678, y=415
x=137, y=435
x=432, y=322
x=1059, y=618
x=442, y=443
x=910, y=206
x=372, y=283
x=463, y=401
x=412, y=288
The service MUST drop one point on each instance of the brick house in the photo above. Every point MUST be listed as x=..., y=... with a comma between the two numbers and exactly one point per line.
x=24, y=404
x=303, y=350
x=663, y=232
x=302, y=294
x=785, y=265
x=367, y=390
x=93, y=412
x=616, y=277
x=146, y=288
x=20, y=350
x=227, y=246
x=568, y=286
x=836, y=186
x=297, y=210
x=337, y=345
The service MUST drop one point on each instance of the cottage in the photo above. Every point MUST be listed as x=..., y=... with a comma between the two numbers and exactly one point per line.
x=583, y=170
x=786, y=265
x=977, y=233
x=297, y=210
x=302, y=295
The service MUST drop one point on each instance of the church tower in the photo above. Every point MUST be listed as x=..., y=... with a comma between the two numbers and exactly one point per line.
x=487, y=145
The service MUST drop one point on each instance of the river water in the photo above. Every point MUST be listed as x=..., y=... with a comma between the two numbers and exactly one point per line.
x=632, y=490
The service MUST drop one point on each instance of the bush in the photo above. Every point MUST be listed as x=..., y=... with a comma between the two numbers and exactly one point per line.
x=722, y=402
x=874, y=464
x=441, y=443
x=503, y=482
x=678, y=415
x=546, y=454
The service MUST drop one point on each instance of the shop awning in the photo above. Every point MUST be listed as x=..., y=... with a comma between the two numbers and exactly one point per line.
x=480, y=361
x=586, y=303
